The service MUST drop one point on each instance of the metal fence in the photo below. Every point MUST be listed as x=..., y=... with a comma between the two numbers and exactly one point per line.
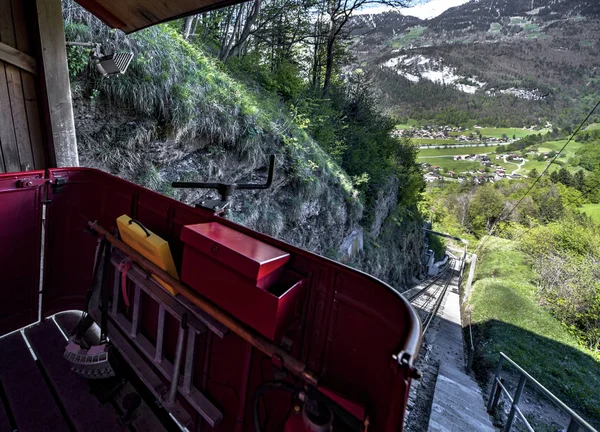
x=576, y=423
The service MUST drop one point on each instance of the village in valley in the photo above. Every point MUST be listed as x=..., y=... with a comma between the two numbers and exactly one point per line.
x=476, y=155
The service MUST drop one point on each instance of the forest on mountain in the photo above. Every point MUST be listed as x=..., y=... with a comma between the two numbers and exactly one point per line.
x=493, y=62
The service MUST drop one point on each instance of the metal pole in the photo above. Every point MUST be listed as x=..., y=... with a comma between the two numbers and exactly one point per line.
x=177, y=364
x=496, y=398
x=573, y=426
x=495, y=388
x=470, y=359
x=513, y=408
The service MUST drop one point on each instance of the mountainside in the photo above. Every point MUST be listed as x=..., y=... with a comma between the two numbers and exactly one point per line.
x=501, y=62
x=178, y=114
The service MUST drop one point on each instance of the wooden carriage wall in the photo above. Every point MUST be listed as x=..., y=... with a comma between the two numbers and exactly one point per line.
x=36, y=116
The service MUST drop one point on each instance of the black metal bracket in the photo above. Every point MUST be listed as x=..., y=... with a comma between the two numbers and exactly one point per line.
x=226, y=190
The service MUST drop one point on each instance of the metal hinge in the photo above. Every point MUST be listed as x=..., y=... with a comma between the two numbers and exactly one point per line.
x=32, y=182
x=58, y=184
x=404, y=361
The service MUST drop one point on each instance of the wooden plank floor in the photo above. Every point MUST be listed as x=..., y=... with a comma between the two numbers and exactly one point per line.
x=4, y=419
x=42, y=394
x=29, y=398
x=84, y=410
x=144, y=420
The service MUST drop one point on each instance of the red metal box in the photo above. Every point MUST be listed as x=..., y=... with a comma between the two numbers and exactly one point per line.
x=242, y=275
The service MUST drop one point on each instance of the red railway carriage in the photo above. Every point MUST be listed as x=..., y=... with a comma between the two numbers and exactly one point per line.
x=352, y=334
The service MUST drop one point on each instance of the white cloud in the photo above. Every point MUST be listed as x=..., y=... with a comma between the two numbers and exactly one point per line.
x=425, y=11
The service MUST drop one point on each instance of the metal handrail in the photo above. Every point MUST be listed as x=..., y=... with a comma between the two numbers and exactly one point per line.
x=576, y=422
x=471, y=347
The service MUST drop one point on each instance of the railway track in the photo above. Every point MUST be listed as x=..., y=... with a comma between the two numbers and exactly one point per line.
x=427, y=300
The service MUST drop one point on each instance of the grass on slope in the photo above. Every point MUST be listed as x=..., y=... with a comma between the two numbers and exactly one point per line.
x=592, y=210
x=176, y=84
x=507, y=317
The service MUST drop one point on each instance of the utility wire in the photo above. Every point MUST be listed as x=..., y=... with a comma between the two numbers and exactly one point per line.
x=541, y=175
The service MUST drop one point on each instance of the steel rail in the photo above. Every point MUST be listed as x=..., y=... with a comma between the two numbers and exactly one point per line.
x=440, y=298
x=434, y=280
x=437, y=295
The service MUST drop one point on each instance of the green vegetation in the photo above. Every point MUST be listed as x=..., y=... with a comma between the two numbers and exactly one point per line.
x=409, y=38
x=507, y=317
x=454, y=151
x=438, y=245
x=407, y=124
x=510, y=132
x=495, y=28
x=432, y=142
x=450, y=164
x=593, y=211
x=537, y=289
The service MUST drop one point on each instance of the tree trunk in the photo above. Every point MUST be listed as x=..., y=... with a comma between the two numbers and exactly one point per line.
x=187, y=26
x=226, y=32
x=250, y=21
x=195, y=26
x=230, y=38
x=328, y=65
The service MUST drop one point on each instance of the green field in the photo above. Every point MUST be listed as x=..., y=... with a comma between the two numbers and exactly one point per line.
x=450, y=164
x=456, y=151
x=592, y=210
x=531, y=164
x=570, y=150
x=549, y=146
x=427, y=141
x=507, y=317
x=412, y=35
x=498, y=132
x=593, y=126
x=409, y=123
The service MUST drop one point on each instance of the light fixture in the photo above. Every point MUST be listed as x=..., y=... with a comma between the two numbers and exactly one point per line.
x=107, y=65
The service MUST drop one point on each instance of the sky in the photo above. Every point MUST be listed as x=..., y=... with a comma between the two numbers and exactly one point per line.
x=424, y=10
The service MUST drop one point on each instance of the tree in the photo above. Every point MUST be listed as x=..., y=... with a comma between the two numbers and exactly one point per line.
x=187, y=26
x=339, y=13
x=235, y=37
x=485, y=209
x=533, y=173
x=565, y=177
x=579, y=181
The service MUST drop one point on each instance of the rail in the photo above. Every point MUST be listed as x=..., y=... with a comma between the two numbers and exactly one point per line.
x=430, y=284
x=576, y=423
x=435, y=299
